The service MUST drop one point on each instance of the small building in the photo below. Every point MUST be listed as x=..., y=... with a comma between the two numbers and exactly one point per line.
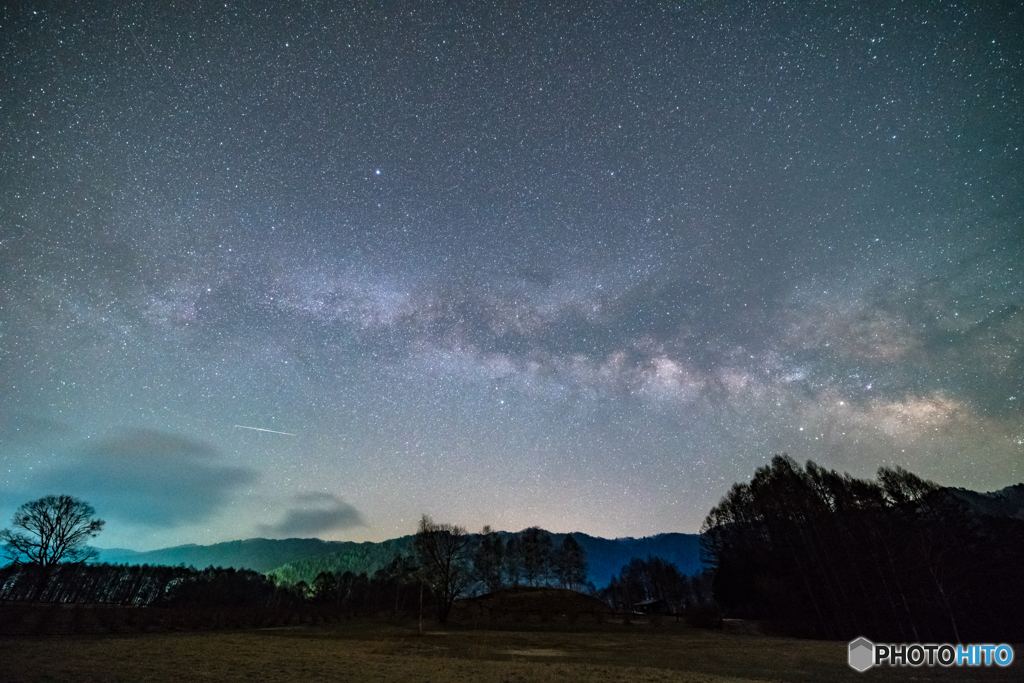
x=655, y=606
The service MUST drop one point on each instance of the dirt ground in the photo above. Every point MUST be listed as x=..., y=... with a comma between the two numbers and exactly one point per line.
x=371, y=650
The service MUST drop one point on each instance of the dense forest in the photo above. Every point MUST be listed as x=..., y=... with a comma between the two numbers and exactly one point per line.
x=302, y=559
x=605, y=556
x=259, y=554
x=656, y=586
x=828, y=555
x=142, y=586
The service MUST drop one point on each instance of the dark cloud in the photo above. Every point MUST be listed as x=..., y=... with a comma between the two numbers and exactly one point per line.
x=144, y=476
x=315, y=514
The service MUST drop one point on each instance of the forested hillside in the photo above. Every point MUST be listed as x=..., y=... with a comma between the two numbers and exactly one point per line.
x=302, y=559
x=1007, y=502
x=608, y=556
x=258, y=554
x=357, y=558
x=828, y=555
x=604, y=556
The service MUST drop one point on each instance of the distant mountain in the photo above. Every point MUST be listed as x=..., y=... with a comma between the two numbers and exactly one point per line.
x=1008, y=502
x=116, y=555
x=259, y=554
x=605, y=556
x=347, y=557
x=301, y=559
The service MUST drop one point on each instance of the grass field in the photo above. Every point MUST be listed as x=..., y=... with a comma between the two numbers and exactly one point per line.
x=369, y=650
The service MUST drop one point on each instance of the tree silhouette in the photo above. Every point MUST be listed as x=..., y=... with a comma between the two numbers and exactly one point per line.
x=442, y=550
x=487, y=560
x=654, y=579
x=325, y=588
x=512, y=562
x=571, y=564
x=537, y=549
x=51, y=530
x=828, y=555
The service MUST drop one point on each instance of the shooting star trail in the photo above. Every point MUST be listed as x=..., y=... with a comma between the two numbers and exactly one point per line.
x=259, y=429
x=151, y=65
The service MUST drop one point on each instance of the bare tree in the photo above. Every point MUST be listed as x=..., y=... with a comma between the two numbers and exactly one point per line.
x=512, y=562
x=442, y=550
x=537, y=549
x=50, y=530
x=570, y=564
x=487, y=560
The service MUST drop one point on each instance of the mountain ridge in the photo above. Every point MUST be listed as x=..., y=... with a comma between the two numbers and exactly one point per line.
x=301, y=559
x=258, y=554
x=1008, y=501
x=298, y=559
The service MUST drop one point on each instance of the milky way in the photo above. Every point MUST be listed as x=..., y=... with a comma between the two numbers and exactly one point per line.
x=580, y=266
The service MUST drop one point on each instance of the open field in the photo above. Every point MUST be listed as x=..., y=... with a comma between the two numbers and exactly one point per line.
x=370, y=650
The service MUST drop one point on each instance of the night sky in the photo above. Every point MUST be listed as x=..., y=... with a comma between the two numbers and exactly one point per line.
x=576, y=265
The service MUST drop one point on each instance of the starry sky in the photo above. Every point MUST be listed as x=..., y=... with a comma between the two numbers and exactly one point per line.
x=576, y=265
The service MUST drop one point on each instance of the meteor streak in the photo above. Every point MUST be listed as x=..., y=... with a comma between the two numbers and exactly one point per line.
x=259, y=429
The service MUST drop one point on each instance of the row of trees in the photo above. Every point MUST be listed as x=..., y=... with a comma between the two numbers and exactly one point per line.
x=820, y=553
x=656, y=585
x=828, y=555
x=529, y=559
x=142, y=586
x=448, y=563
x=452, y=565
x=395, y=586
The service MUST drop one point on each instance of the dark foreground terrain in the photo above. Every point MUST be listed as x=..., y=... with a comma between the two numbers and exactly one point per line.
x=381, y=650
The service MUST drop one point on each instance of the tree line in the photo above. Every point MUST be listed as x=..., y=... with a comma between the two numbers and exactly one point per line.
x=656, y=586
x=815, y=552
x=452, y=564
x=828, y=555
x=142, y=585
x=48, y=553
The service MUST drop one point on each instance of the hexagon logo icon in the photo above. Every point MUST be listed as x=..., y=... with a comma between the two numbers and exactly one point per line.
x=862, y=654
